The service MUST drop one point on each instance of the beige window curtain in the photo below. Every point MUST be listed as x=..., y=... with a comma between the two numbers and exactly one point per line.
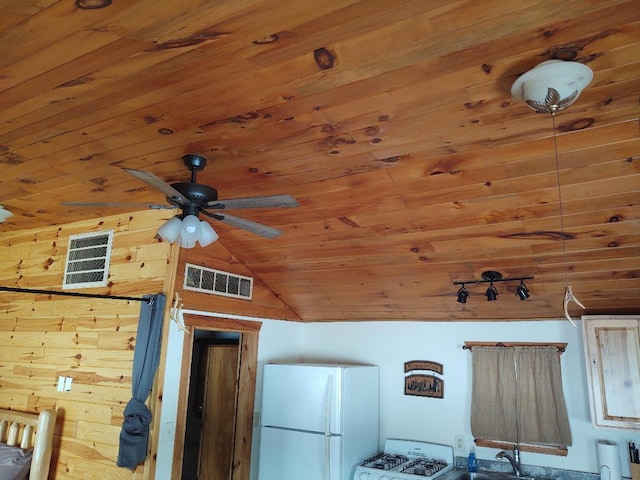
x=517, y=396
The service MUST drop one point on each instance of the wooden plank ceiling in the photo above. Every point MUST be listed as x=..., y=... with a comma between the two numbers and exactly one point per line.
x=390, y=121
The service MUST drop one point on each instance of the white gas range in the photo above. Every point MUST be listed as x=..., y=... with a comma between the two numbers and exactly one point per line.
x=407, y=460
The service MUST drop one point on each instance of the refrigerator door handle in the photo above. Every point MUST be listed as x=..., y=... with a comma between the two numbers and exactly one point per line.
x=327, y=427
x=328, y=401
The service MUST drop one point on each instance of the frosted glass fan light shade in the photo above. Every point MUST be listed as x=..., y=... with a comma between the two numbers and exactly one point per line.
x=190, y=231
x=552, y=85
x=207, y=234
x=170, y=231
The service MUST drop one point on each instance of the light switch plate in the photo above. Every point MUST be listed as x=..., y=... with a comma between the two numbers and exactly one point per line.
x=67, y=383
x=60, y=387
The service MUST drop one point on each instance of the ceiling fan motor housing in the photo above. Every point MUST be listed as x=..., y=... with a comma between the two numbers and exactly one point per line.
x=198, y=195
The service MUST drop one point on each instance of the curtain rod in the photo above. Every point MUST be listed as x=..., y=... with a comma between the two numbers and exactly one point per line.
x=73, y=294
x=469, y=345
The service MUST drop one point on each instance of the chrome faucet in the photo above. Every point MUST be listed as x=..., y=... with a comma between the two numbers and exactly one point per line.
x=514, y=460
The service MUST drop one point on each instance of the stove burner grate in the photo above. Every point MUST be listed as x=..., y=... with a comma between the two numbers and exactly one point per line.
x=424, y=467
x=385, y=461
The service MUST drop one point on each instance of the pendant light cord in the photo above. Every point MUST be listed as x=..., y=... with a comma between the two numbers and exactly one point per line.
x=564, y=247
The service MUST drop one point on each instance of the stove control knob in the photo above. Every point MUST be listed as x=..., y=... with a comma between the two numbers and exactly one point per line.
x=363, y=476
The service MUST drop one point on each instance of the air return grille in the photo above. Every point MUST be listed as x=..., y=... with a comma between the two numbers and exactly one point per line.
x=88, y=258
x=217, y=282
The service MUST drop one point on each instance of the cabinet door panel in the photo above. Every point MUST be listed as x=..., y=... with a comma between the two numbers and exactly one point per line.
x=612, y=348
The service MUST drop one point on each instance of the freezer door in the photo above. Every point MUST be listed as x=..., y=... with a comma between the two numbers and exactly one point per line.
x=302, y=397
x=295, y=455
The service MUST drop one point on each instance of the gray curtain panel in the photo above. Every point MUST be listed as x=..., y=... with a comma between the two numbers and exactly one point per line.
x=134, y=436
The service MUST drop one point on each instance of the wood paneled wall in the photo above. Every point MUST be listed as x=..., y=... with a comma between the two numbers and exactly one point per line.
x=264, y=302
x=90, y=340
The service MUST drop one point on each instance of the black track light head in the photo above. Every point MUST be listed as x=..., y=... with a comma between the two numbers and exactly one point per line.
x=462, y=295
x=522, y=291
x=491, y=293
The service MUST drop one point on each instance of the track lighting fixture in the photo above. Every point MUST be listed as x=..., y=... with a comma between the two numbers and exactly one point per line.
x=462, y=295
x=522, y=291
x=491, y=277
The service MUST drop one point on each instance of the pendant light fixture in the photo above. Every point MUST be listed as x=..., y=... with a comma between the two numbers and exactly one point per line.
x=548, y=88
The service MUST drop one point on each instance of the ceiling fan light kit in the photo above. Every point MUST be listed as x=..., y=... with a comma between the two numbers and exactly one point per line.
x=189, y=230
x=193, y=199
x=550, y=87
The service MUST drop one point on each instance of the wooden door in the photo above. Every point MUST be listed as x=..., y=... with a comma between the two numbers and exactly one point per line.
x=612, y=346
x=219, y=412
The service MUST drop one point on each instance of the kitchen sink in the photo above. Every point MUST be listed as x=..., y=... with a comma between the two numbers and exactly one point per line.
x=490, y=476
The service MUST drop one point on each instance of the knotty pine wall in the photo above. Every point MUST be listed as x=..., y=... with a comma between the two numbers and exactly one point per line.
x=264, y=303
x=90, y=340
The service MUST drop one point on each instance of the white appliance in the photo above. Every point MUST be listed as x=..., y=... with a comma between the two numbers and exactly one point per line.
x=407, y=460
x=318, y=421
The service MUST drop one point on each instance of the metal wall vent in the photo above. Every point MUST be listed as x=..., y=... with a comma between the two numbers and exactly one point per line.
x=217, y=282
x=88, y=259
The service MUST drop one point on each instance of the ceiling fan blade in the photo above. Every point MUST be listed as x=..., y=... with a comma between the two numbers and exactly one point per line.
x=158, y=183
x=117, y=204
x=267, y=201
x=248, y=225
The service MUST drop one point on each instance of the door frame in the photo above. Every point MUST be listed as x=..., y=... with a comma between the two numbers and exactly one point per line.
x=249, y=335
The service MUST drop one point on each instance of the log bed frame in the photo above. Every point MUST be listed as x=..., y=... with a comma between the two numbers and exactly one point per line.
x=30, y=430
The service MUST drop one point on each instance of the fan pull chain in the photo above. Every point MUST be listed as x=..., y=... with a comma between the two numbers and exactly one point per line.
x=568, y=291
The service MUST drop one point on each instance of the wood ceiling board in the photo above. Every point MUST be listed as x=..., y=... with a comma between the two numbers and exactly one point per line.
x=436, y=171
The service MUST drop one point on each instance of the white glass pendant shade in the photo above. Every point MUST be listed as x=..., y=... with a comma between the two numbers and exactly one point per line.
x=190, y=231
x=170, y=231
x=552, y=85
x=207, y=234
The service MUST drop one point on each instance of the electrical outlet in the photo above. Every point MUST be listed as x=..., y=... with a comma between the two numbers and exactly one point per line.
x=460, y=443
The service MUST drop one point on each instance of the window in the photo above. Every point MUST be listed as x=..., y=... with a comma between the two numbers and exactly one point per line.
x=517, y=398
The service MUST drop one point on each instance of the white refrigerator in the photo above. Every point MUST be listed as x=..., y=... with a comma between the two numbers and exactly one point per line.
x=318, y=421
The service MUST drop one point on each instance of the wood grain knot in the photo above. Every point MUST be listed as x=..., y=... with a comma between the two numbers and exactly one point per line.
x=324, y=58
x=244, y=117
x=579, y=124
x=189, y=41
x=274, y=37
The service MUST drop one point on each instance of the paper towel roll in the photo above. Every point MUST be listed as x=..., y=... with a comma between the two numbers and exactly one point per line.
x=609, y=460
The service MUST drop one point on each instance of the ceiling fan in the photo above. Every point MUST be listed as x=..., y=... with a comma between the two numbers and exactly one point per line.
x=194, y=198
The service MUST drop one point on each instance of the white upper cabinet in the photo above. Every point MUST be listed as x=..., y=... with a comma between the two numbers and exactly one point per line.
x=612, y=349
